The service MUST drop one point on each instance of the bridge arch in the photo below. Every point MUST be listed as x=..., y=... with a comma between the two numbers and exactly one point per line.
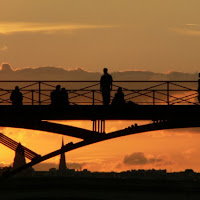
x=90, y=135
x=160, y=125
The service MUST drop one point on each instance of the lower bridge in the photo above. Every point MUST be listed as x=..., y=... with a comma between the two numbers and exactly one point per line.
x=98, y=137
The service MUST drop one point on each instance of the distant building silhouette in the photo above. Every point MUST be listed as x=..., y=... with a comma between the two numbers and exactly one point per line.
x=62, y=164
x=19, y=160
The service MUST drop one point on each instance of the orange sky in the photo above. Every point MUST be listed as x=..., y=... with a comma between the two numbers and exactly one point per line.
x=121, y=34
x=172, y=149
x=152, y=35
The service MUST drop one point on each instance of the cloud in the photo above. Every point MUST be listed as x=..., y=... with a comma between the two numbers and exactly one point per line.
x=139, y=158
x=50, y=73
x=187, y=29
x=3, y=48
x=63, y=73
x=6, y=67
x=20, y=27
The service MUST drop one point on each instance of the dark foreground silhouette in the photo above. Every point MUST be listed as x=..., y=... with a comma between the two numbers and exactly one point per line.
x=98, y=188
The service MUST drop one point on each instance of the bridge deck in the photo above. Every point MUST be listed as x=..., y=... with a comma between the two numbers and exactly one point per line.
x=90, y=112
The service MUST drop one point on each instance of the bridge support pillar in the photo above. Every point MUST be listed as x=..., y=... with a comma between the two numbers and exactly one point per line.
x=98, y=126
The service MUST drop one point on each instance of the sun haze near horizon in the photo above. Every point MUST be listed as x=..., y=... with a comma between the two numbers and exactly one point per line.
x=151, y=35
x=156, y=36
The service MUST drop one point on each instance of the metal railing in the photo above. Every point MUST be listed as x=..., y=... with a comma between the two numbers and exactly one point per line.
x=88, y=92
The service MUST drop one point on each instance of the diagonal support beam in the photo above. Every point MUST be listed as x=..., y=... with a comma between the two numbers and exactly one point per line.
x=10, y=143
x=132, y=130
x=52, y=127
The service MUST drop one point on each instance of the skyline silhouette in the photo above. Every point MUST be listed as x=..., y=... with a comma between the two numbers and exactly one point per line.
x=118, y=81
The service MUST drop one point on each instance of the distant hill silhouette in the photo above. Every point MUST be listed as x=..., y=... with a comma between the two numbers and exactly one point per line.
x=58, y=73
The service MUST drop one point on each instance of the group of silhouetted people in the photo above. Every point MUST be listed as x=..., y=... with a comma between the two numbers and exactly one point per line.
x=59, y=97
x=106, y=88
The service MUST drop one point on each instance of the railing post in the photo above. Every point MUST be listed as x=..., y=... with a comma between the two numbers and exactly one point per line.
x=32, y=97
x=167, y=92
x=98, y=125
x=93, y=125
x=39, y=92
x=153, y=97
x=93, y=97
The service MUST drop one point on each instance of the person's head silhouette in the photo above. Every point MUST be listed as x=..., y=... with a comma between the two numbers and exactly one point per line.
x=105, y=70
x=119, y=90
x=16, y=88
x=63, y=90
x=58, y=87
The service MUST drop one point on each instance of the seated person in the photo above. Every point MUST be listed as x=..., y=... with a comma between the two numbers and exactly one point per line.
x=119, y=98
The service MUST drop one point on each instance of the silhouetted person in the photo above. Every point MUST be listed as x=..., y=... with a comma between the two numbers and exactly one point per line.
x=199, y=88
x=106, y=86
x=55, y=96
x=64, y=99
x=119, y=98
x=16, y=97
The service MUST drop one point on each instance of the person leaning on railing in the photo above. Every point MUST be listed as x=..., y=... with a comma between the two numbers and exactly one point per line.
x=59, y=97
x=16, y=97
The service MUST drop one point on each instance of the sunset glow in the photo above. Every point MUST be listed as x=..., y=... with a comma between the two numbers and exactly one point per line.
x=156, y=40
x=173, y=150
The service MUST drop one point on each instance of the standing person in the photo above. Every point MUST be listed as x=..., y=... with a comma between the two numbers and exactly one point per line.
x=16, y=97
x=106, y=86
x=199, y=88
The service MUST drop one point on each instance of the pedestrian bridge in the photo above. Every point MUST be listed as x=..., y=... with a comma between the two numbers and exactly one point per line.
x=88, y=92
x=169, y=104
x=144, y=100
